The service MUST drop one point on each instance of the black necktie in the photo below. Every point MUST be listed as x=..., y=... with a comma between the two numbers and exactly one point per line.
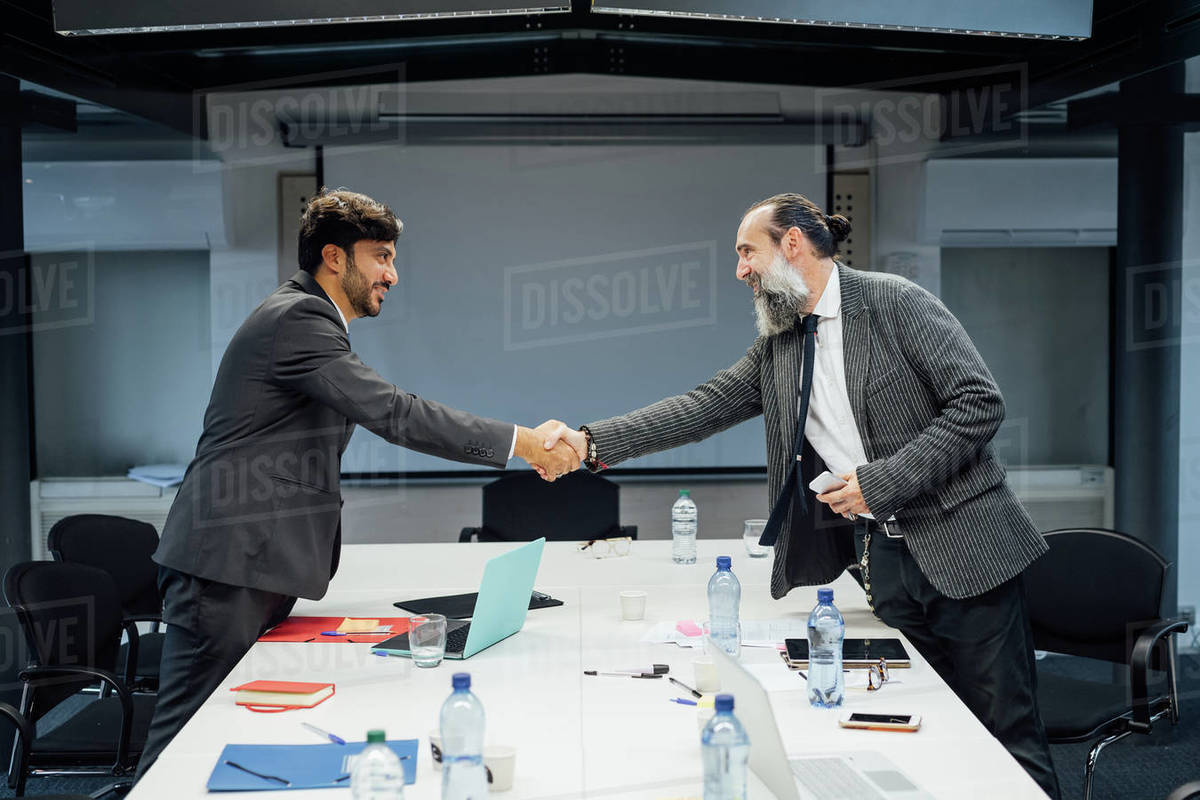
x=792, y=484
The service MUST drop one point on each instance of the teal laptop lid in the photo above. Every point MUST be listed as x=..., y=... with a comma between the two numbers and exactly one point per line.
x=500, y=608
x=504, y=596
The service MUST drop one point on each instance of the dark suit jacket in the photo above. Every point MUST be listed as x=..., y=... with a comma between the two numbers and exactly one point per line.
x=926, y=407
x=260, y=505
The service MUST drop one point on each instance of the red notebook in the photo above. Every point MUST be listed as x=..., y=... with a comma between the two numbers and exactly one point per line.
x=269, y=696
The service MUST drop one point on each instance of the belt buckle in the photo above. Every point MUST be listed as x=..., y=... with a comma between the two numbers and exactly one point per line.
x=888, y=533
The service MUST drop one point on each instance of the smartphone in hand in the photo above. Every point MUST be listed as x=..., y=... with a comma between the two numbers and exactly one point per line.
x=826, y=482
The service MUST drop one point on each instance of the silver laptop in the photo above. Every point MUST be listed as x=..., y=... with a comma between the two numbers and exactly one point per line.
x=861, y=775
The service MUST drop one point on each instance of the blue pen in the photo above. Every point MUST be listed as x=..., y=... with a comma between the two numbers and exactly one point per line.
x=332, y=633
x=326, y=734
x=683, y=701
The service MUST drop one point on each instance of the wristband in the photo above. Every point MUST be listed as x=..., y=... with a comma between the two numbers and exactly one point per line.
x=593, y=463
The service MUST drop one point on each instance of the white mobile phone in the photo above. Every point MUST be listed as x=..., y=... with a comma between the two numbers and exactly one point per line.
x=826, y=482
x=881, y=722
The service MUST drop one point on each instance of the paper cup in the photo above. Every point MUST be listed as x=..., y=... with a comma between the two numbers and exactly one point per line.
x=633, y=605
x=435, y=749
x=706, y=675
x=501, y=762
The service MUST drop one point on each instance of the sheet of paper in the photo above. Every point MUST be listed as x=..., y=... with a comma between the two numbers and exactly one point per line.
x=772, y=632
x=755, y=633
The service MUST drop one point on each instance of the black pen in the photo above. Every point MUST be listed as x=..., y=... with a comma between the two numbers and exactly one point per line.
x=236, y=765
x=683, y=685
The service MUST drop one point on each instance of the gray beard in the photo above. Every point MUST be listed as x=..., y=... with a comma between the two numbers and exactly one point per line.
x=781, y=299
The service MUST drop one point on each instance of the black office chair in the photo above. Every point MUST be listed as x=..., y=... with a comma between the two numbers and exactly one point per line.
x=122, y=548
x=522, y=507
x=1098, y=594
x=1189, y=791
x=71, y=618
x=25, y=732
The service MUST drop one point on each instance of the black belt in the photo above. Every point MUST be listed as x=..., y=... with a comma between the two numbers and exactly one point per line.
x=891, y=529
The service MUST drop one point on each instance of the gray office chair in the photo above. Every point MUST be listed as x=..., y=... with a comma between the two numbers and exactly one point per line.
x=1098, y=594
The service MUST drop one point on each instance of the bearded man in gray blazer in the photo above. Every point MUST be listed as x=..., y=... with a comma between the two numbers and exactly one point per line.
x=257, y=520
x=897, y=402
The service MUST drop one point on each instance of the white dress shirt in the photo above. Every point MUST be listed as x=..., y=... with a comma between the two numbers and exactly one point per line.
x=830, y=428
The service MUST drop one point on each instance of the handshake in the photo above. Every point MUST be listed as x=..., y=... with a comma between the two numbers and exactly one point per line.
x=552, y=449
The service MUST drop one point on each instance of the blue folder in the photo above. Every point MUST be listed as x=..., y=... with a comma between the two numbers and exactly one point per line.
x=303, y=766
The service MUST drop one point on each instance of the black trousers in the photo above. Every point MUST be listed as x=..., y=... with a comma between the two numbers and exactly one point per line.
x=210, y=626
x=981, y=646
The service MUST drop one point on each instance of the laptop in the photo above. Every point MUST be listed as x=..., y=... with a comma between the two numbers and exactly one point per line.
x=860, y=775
x=499, y=611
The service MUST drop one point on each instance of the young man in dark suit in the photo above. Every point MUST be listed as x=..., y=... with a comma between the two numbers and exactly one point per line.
x=871, y=376
x=257, y=521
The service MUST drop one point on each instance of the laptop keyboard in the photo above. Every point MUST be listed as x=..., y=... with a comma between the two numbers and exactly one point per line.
x=833, y=779
x=456, y=640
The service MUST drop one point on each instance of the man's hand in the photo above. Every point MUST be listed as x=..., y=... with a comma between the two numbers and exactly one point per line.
x=559, y=431
x=551, y=459
x=848, y=500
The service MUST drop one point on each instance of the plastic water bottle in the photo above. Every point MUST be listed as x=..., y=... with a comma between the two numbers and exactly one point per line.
x=683, y=529
x=725, y=751
x=826, y=630
x=463, y=774
x=724, y=600
x=377, y=773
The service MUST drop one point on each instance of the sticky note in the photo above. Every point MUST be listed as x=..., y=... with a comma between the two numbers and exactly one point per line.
x=357, y=625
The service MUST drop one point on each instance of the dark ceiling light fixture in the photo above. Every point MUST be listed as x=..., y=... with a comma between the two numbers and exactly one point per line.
x=89, y=18
x=1062, y=20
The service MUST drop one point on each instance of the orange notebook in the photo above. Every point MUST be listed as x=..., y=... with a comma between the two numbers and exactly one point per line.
x=270, y=696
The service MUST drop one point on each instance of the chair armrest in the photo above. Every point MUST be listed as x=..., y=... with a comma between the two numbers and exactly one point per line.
x=32, y=675
x=35, y=674
x=1139, y=667
x=27, y=732
x=629, y=530
x=131, y=650
x=24, y=727
x=468, y=534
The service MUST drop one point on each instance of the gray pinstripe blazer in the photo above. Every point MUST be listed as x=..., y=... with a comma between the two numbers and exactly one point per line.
x=926, y=407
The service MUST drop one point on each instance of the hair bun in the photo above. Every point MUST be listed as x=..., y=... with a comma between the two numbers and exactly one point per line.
x=839, y=226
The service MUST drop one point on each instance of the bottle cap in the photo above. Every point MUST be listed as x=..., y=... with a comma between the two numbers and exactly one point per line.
x=825, y=595
x=723, y=562
x=685, y=493
x=724, y=702
x=461, y=680
x=376, y=736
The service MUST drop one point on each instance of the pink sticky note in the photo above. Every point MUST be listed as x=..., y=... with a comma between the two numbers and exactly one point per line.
x=688, y=628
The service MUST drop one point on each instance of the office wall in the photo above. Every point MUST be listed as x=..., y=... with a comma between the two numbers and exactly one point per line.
x=1188, y=567
x=484, y=317
x=1039, y=317
x=121, y=371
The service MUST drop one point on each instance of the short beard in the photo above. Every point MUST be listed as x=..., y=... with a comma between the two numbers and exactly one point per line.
x=358, y=289
x=782, y=297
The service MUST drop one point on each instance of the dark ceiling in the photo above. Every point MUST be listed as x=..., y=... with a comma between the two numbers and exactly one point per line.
x=158, y=76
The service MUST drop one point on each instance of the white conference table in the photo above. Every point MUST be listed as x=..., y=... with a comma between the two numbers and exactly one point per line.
x=578, y=736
